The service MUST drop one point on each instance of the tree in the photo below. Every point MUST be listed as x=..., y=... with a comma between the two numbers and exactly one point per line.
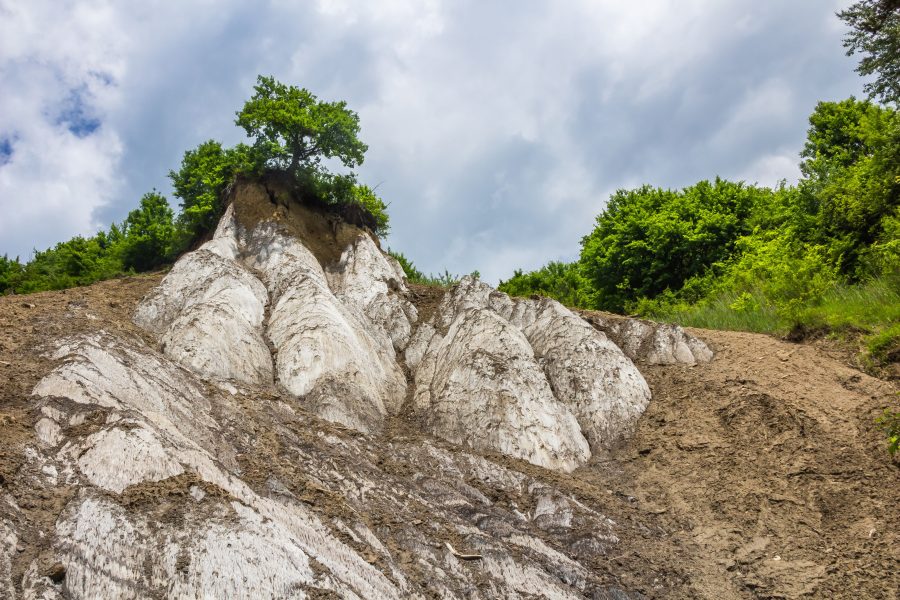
x=200, y=182
x=851, y=167
x=649, y=239
x=294, y=129
x=10, y=273
x=841, y=133
x=875, y=33
x=149, y=234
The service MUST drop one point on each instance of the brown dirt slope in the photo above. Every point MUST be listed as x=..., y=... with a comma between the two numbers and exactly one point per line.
x=760, y=475
x=28, y=324
x=768, y=470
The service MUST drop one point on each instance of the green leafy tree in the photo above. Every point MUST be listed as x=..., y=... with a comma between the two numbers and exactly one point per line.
x=295, y=130
x=150, y=235
x=201, y=181
x=558, y=280
x=851, y=163
x=10, y=273
x=649, y=240
x=875, y=33
x=842, y=133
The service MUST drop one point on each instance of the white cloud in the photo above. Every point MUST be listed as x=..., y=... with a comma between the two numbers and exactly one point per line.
x=771, y=169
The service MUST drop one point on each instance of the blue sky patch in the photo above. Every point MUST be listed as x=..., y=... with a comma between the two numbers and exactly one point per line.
x=77, y=115
x=6, y=149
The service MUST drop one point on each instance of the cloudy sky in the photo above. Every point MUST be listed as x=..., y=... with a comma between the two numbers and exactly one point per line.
x=496, y=130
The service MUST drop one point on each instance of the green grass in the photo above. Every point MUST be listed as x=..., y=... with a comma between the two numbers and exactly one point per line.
x=719, y=313
x=868, y=313
x=872, y=306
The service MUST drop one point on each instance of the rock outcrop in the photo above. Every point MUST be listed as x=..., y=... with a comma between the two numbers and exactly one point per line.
x=328, y=351
x=652, y=343
x=481, y=385
x=209, y=312
x=570, y=368
x=239, y=446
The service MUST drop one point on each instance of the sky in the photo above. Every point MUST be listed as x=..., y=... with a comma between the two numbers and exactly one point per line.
x=496, y=130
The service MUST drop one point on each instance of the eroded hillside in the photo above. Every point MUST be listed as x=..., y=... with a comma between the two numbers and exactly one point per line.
x=282, y=416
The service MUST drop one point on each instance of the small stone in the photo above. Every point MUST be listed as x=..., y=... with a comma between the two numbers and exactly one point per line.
x=56, y=573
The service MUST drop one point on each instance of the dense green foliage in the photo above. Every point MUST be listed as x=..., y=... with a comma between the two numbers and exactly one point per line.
x=650, y=240
x=201, y=181
x=875, y=33
x=147, y=239
x=150, y=234
x=558, y=280
x=293, y=131
x=821, y=255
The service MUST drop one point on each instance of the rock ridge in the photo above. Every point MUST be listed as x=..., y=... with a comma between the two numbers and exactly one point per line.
x=241, y=451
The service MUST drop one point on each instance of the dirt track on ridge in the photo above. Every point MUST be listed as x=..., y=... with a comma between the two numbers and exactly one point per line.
x=760, y=475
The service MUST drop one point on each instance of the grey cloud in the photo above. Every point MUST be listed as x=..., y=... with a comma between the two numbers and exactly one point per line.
x=495, y=133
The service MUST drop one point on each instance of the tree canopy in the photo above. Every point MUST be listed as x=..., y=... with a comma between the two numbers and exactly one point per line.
x=295, y=129
x=292, y=132
x=650, y=239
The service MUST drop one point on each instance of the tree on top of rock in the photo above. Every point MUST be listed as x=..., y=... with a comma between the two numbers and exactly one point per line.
x=295, y=129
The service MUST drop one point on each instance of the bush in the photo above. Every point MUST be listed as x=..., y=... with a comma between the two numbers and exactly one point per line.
x=557, y=280
x=149, y=235
x=649, y=239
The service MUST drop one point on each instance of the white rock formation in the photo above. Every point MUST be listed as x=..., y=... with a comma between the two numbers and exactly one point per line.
x=328, y=351
x=589, y=376
x=99, y=540
x=208, y=468
x=335, y=351
x=374, y=283
x=116, y=458
x=588, y=373
x=161, y=508
x=480, y=385
x=653, y=343
x=209, y=311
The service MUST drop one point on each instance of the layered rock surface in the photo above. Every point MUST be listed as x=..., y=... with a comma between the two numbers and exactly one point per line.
x=652, y=343
x=574, y=382
x=220, y=455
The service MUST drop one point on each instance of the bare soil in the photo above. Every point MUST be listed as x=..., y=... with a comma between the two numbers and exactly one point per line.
x=325, y=234
x=759, y=475
x=767, y=465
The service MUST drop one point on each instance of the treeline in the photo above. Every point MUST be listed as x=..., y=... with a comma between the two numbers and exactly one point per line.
x=721, y=254
x=291, y=131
